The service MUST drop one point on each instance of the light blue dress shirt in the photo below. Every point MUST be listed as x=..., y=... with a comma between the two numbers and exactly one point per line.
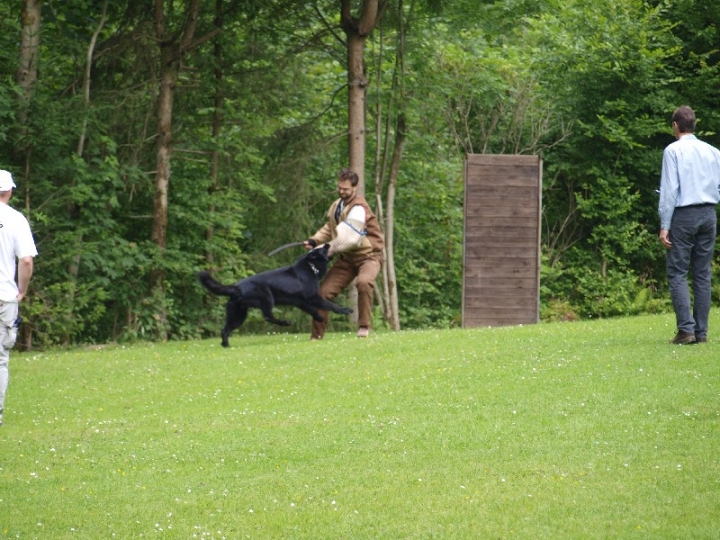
x=690, y=175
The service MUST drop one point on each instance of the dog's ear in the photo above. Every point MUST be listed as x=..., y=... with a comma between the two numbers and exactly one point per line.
x=325, y=248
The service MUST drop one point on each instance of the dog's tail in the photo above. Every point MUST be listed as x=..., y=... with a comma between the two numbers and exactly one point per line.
x=215, y=287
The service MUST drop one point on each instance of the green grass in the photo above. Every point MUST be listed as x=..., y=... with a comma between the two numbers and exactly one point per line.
x=561, y=431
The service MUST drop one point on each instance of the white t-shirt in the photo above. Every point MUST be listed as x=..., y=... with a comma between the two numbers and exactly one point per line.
x=16, y=241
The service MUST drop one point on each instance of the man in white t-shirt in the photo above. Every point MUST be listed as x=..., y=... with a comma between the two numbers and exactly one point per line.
x=16, y=242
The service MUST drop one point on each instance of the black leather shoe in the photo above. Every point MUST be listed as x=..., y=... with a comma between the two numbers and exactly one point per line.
x=699, y=339
x=683, y=338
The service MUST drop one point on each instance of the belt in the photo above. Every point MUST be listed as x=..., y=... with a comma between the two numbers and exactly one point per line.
x=701, y=205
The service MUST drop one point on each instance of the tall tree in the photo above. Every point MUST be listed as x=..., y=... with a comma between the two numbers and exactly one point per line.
x=357, y=29
x=389, y=150
x=73, y=208
x=217, y=119
x=27, y=72
x=26, y=76
x=174, y=44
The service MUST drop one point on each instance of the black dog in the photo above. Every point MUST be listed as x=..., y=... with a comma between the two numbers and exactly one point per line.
x=295, y=285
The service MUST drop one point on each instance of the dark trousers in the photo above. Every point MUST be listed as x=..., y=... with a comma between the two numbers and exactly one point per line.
x=692, y=233
x=338, y=278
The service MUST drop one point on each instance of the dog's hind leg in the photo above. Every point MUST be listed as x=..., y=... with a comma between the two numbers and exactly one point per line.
x=235, y=315
x=267, y=303
x=312, y=311
x=327, y=305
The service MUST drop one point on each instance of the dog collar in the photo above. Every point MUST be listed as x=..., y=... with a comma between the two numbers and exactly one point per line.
x=314, y=268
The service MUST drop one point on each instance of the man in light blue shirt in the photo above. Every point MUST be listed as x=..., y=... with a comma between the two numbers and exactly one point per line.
x=689, y=191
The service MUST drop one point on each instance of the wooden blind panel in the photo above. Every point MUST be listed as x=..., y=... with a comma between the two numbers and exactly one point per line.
x=501, y=255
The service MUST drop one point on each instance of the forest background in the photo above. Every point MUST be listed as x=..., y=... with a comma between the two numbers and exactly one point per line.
x=149, y=140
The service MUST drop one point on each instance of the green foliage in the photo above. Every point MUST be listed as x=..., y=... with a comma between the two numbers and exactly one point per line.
x=61, y=311
x=573, y=291
x=610, y=65
x=429, y=245
x=696, y=63
x=259, y=132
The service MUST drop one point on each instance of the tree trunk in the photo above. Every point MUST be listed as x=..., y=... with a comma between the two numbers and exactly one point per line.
x=29, y=45
x=73, y=210
x=380, y=154
x=87, y=79
x=394, y=315
x=357, y=90
x=172, y=48
x=396, y=99
x=26, y=77
x=168, y=79
x=216, y=129
x=357, y=29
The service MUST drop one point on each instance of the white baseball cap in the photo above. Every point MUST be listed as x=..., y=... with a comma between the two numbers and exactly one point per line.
x=6, y=181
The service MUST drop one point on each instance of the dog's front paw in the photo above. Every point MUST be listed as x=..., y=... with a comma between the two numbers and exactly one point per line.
x=281, y=322
x=346, y=311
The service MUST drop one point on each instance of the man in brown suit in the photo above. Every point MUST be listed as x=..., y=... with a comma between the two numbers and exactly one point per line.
x=355, y=236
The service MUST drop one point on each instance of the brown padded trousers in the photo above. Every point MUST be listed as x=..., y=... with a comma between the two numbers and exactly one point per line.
x=338, y=278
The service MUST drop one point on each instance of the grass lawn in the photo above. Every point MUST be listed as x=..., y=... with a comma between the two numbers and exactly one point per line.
x=581, y=430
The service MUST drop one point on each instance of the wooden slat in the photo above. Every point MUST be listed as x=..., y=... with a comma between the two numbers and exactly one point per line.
x=516, y=304
x=493, y=209
x=502, y=190
x=499, y=272
x=484, y=246
x=497, y=160
x=504, y=232
x=491, y=282
x=505, y=264
x=515, y=182
x=501, y=221
x=504, y=313
x=506, y=260
x=497, y=320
